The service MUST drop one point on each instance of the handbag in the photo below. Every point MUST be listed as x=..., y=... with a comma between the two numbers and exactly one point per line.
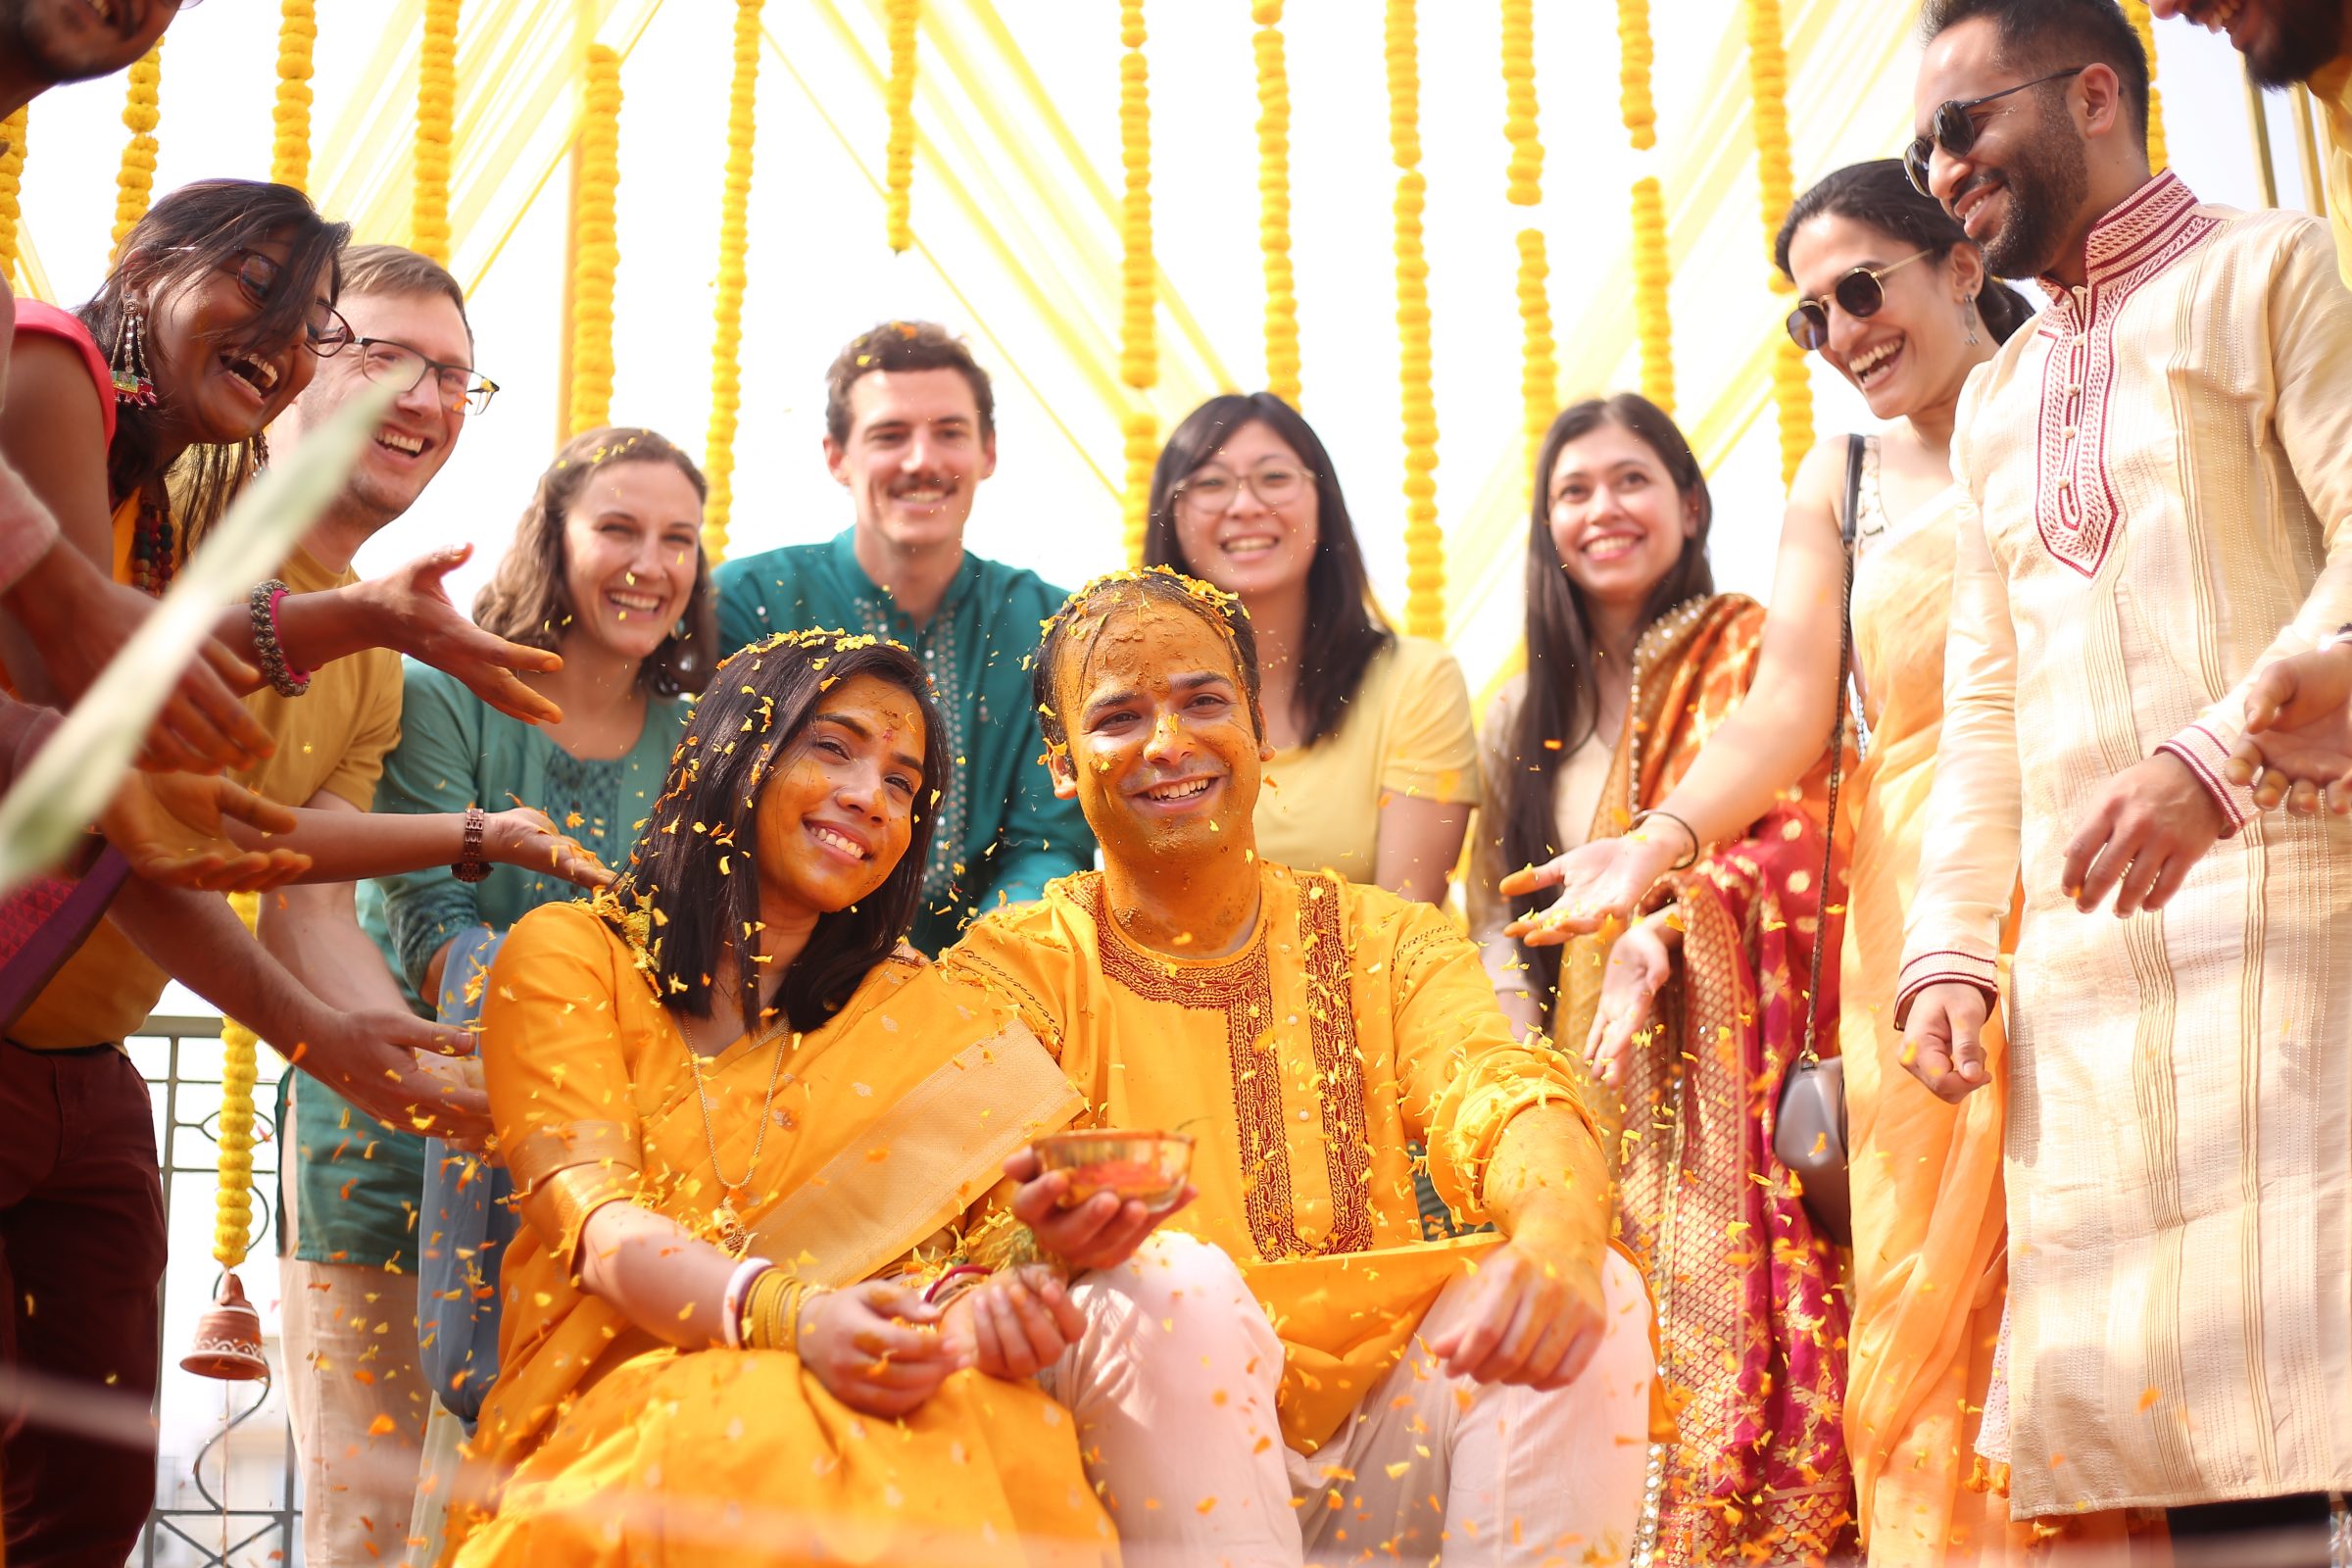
x=1808, y=1134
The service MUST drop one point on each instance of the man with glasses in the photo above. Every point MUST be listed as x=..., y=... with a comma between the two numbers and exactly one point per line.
x=2160, y=476
x=911, y=434
x=349, y=1186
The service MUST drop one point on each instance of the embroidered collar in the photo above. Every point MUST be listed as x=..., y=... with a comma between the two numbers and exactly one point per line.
x=845, y=560
x=2142, y=225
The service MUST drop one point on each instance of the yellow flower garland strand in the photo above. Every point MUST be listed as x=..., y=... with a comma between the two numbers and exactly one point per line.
x=134, y=185
x=290, y=146
x=1139, y=352
x=436, y=125
x=1768, y=89
x=1539, y=361
x=596, y=243
x=2136, y=12
x=1653, y=267
x=1519, y=102
x=1424, y=544
x=240, y=1069
x=1538, y=365
x=734, y=241
x=902, y=16
x=1274, y=201
x=12, y=184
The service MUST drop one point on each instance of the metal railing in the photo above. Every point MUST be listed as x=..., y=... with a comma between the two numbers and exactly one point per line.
x=249, y=1521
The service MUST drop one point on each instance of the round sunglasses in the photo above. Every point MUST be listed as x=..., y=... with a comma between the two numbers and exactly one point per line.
x=1859, y=294
x=1953, y=127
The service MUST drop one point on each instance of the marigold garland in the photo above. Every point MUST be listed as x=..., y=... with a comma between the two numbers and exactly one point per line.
x=1776, y=186
x=241, y=1070
x=1653, y=267
x=734, y=242
x=290, y=147
x=596, y=243
x=1139, y=353
x=12, y=184
x=134, y=185
x=898, y=98
x=436, y=124
x=1274, y=201
x=1538, y=365
x=1424, y=544
x=1519, y=102
x=2136, y=12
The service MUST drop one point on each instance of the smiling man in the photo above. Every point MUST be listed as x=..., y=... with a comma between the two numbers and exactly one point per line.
x=911, y=433
x=2158, y=481
x=1318, y=1380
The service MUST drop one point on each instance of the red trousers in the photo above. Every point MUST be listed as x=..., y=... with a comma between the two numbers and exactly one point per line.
x=81, y=1252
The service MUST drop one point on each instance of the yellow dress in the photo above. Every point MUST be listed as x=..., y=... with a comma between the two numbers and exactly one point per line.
x=602, y=1445
x=1353, y=1024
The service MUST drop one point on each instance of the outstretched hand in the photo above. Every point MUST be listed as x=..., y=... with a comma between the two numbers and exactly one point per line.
x=172, y=827
x=1600, y=886
x=2297, y=745
x=371, y=1059
x=426, y=625
x=529, y=838
x=1103, y=1232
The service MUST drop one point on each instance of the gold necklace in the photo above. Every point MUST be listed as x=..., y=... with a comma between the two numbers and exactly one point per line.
x=729, y=1224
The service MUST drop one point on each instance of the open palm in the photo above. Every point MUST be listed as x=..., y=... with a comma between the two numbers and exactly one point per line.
x=1599, y=884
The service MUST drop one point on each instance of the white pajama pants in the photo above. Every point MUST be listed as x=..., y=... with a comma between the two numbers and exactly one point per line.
x=1173, y=1387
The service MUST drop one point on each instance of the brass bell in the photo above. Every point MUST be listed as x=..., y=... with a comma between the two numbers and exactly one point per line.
x=228, y=1338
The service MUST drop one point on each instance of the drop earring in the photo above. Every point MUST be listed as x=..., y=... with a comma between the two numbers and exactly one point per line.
x=1968, y=320
x=133, y=386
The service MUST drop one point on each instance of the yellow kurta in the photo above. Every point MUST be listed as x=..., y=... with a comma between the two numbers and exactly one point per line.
x=1353, y=1024
x=2158, y=474
x=604, y=1444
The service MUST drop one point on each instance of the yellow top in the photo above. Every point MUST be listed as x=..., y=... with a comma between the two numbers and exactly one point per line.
x=2333, y=88
x=1407, y=733
x=333, y=737
x=602, y=1444
x=1355, y=1023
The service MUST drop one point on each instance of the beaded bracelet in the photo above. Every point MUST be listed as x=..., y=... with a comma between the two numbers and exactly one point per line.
x=731, y=1304
x=260, y=605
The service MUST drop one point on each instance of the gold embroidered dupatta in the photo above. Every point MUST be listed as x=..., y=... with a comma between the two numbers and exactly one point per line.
x=1751, y=1319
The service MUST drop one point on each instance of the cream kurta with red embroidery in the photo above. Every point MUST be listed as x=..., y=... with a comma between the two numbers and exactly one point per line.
x=2160, y=473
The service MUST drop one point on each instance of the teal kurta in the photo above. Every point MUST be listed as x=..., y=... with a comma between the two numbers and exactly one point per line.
x=1002, y=835
x=359, y=1181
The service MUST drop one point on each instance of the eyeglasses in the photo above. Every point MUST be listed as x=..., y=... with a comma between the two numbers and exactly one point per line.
x=396, y=365
x=324, y=333
x=1953, y=127
x=1859, y=294
x=1212, y=490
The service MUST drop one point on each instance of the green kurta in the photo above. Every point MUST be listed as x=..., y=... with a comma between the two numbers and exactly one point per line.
x=1002, y=835
x=356, y=1180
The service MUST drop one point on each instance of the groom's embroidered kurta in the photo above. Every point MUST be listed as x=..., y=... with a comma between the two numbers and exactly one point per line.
x=2160, y=474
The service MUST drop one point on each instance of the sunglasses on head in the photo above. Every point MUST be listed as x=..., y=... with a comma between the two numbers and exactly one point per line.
x=1859, y=294
x=1953, y=127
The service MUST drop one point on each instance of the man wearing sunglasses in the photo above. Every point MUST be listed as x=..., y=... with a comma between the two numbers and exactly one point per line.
x=2160, y=477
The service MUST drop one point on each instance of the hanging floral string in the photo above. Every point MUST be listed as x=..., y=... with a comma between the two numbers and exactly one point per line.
x=596, y=243
x=436, y=122
x=734, y=241
x=1538, y=365
x=134, y=185
x=1424, y=544
x=902, y=16
x=290, y=148
x=12, y=184
x=1768, y=90
x=1274, y=202
x=2137, y=12
x=1653, y=269
x=1139, y=352
x=240, y=1068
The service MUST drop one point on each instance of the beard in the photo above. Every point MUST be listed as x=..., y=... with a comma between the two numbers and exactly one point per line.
x=2303, y=35
x=27, y=32
x=2048, y=181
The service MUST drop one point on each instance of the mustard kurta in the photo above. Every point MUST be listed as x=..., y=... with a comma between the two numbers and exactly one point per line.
x=2158, y=476
x=1353, y=1024
x=602, y=1445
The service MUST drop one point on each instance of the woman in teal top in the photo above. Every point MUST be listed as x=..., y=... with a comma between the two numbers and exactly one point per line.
x=607, y=569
